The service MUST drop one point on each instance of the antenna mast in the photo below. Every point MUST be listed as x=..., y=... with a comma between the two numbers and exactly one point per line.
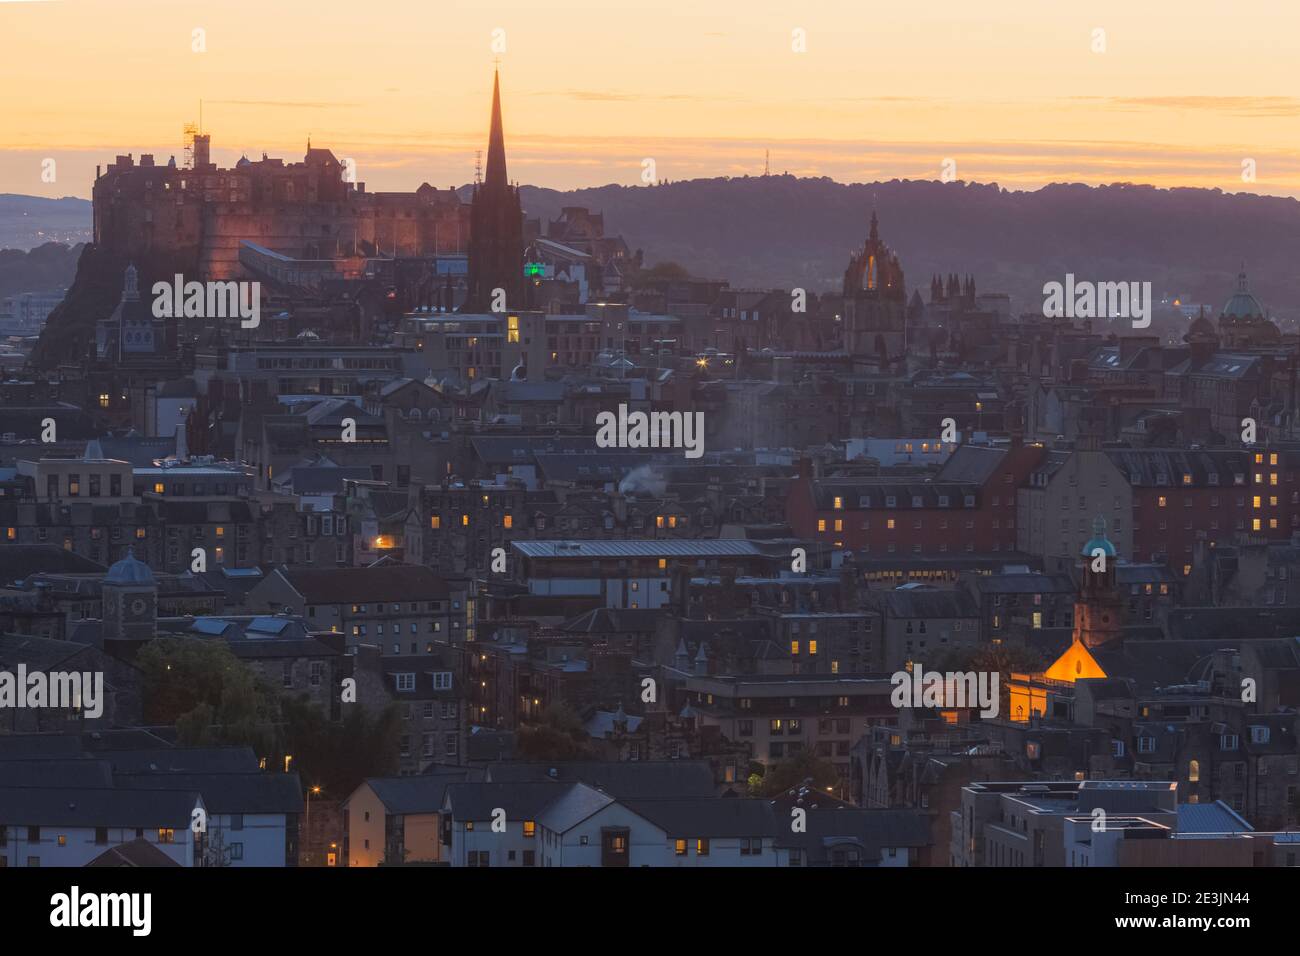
x=190, y=131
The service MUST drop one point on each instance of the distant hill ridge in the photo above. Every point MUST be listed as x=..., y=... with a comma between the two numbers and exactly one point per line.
x=783, y=231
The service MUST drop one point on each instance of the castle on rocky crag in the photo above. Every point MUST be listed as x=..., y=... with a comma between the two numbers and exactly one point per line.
x=199, y=213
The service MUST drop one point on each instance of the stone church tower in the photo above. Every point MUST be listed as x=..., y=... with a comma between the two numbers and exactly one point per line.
x=496, y=240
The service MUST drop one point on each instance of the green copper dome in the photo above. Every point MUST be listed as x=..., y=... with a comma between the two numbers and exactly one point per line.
x=1243, y=305
x=1099, y=540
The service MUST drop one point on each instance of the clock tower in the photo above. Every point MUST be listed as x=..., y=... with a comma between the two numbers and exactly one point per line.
x=130, y=601
x=1099, y=609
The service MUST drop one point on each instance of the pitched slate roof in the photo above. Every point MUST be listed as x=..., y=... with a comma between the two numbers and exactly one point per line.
x=183, y=760
x=624, y=779
x=257, y=792
x=136, y=853
x=710, y=817
x=57, y=772
x=423, y=793
x=86, y=807
x=872, y=830
x=927, y=602
x=476, y=802
x=571, y=807
x=19, y=561
x=973, y=464
x=390, y=583
x=1166, y=468
x=1216, y=817
x=650, y=548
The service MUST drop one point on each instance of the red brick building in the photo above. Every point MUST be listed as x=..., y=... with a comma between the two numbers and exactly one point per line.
x=970, y=506
x=1180, y=497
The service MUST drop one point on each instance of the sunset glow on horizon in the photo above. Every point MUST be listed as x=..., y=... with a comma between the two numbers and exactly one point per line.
x=1014, y=93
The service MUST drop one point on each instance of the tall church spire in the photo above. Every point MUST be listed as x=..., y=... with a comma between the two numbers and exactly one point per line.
x=496, y=158
x=496, y=243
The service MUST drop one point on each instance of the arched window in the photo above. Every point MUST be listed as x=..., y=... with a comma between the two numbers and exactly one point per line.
x=1194, y=771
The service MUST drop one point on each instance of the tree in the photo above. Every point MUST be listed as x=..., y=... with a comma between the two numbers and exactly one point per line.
x=338, y=755
x=660, y=273
x=179, y=673
x=803, y=766
x=558, y=735
x=214, y=699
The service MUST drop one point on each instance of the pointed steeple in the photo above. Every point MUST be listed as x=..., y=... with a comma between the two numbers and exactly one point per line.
x=496, y=158
x=875, y=225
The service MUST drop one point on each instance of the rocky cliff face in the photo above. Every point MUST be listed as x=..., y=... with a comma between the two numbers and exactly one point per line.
x=69, y=334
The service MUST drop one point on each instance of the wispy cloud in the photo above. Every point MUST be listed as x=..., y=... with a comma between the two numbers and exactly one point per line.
x=1252, y=106
x=606, y=96
x=282, y=104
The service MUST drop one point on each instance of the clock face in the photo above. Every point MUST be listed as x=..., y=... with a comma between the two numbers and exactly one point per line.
x=138, y=607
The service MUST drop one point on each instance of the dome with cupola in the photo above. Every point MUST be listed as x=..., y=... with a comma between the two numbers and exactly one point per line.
x=1243, y=306
x=130, y=572
x=1099, y=540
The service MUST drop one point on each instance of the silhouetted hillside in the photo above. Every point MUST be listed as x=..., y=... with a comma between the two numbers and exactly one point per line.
x=45, y=268
x=782, y=231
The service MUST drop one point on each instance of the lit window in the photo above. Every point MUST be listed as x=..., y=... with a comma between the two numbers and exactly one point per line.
x=794, y=647
x=663, y=563
x=821, y=524
x=512, y=329
x=530, y=826
x=139, y=533
x=507, y=521
x=103, y=399
x=812, y=647
x=464, y=521
x=839, y=503
x=679, y=847
x=435, y=522
x=157, y=487
x=221, y=532
x=1162, y=501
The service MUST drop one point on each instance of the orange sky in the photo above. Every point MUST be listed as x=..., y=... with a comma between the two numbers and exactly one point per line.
x=1011, y=90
